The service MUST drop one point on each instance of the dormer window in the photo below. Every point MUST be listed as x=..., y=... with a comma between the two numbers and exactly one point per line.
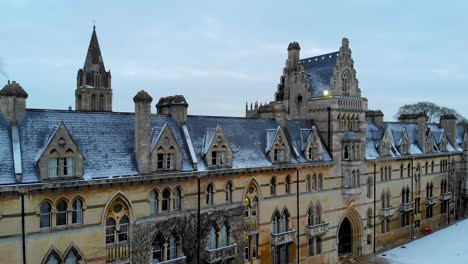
x=217, y=151
x=214, y=156
x=279, y=153
x=61, y=166
x=61, y=156
x=222, y=155
x=277, y=146
x=165, y=160
x=166, y=154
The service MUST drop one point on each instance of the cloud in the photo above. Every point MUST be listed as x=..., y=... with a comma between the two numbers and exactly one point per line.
x=448, y=72
x=184, y=73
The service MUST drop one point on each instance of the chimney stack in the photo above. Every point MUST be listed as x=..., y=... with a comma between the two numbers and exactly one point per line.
x=449, y=123
x=175, y=106
x=375, y=117
x=421, y=120
x=13, y=102
x=142, y=130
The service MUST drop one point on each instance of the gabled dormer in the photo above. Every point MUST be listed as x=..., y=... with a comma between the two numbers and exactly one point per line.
x=166, y=154
x=277, y=146
x=429, y=144
x=216, y=149
x=405, y=143
x=313, y=147
x=443, y=142
x=60, y=157
x=385, y=148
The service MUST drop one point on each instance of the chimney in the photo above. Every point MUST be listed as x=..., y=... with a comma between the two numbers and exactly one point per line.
x=13, y=102
x=293, y=55
x=142, y=130
x=449, y=123
x=375, y=117
x=175, y=106
x=280, y=114
x=421, y=120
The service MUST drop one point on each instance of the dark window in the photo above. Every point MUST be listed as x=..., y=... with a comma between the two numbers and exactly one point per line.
x=45, y=215
x=61, y=213
x=166, y=200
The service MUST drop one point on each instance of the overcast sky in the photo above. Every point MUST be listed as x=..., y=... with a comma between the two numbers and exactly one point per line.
x=220, y=55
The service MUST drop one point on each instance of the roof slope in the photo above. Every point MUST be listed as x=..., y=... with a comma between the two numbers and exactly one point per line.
x=106, y=140
x=320, y=70
x=7, y=174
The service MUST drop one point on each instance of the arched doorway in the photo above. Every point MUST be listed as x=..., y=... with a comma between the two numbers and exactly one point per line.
x=345, y=240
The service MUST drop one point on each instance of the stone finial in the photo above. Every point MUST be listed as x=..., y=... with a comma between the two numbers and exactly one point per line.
x=13, y=89
x=294, y=46
x=142, y=96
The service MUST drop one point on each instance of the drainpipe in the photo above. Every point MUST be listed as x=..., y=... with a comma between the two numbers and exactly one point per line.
x=297, y=204
x=375, y=183
x=198, y=221
x=23, y=231
x=416, y=206
x=329, y=130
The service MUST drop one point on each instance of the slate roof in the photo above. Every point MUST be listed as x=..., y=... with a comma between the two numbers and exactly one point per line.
x=395, y=130
x=7, y=174
x=295, y=133
x=247, y=138
x=106, y=140
x=320, y=70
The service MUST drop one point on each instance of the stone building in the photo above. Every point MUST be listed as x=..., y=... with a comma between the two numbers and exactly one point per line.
x=313, y=176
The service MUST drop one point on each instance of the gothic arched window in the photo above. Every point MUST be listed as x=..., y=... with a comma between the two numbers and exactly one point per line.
x=177, y=199
x=77, y=211
x=61, y=215
x=45, y=214
x=228, y=192
x=209, y=194
x=166, y=200
x=154, y=201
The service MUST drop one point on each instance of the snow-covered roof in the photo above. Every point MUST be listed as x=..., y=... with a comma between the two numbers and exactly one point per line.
x=320, y=70
x=396, y=131
x=106, y=141
x=7, y=173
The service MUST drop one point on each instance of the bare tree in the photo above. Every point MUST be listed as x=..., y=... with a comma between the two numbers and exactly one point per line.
x=432, y=111
x=184, y=224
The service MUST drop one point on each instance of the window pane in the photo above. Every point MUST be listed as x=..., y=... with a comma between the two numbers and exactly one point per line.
x=71, y=259
x=52, y=260
x=157, y=251
x=77, y=213
x=53, y=167
x=68, y=167
x=61, y=213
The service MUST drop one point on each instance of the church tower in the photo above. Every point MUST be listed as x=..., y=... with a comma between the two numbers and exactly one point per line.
x=93, y=82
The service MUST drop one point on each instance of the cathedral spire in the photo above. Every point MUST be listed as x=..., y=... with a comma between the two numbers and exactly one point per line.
x=94, y=57
x=93, y=91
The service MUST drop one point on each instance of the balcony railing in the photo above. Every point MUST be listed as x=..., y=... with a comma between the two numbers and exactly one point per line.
x=406, y=207
x=179, y=260
x=431, y=200
x=388, y=211
x=317, y=230
x=283, y=238
x=222, y=253
x=115, y=252
x=446, y=196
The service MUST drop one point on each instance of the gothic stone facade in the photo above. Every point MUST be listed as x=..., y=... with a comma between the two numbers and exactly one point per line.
x=313, y=175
